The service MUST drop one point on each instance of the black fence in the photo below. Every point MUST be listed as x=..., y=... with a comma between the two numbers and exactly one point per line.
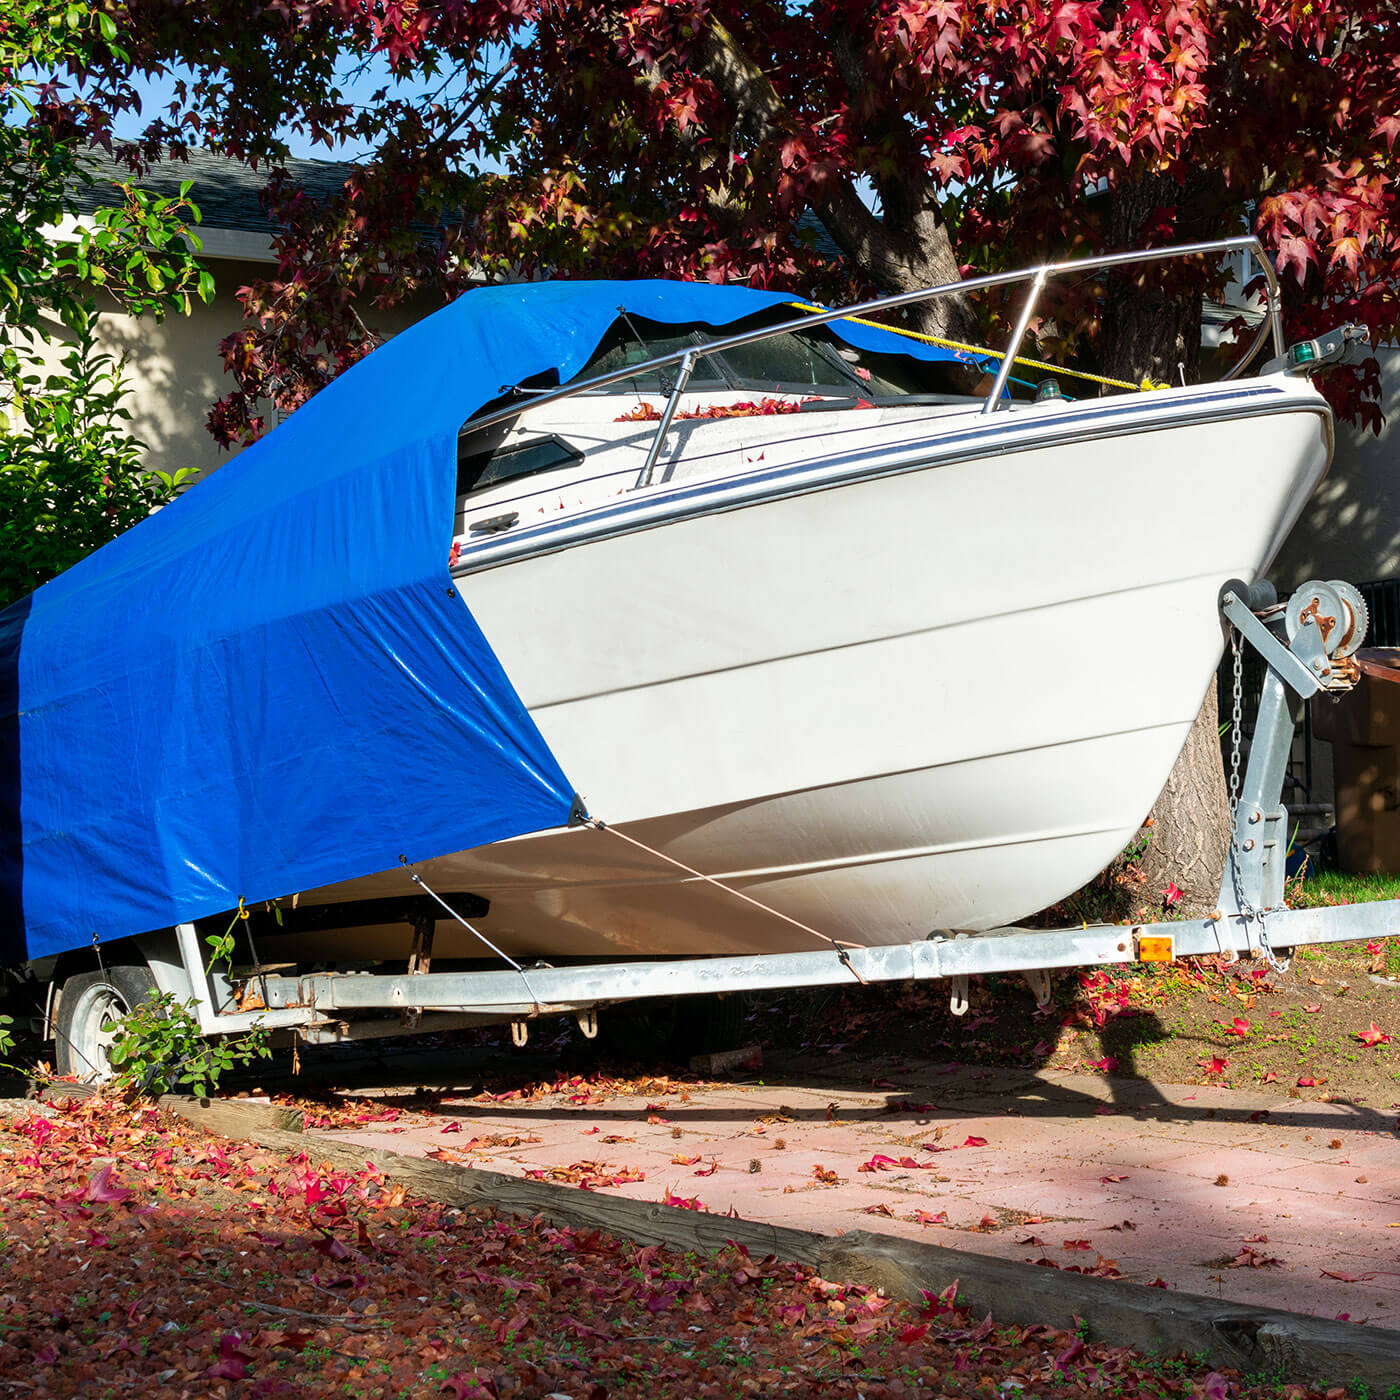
x=1383, y=602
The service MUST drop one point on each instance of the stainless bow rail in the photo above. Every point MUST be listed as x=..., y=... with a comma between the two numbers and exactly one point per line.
x=686, y=359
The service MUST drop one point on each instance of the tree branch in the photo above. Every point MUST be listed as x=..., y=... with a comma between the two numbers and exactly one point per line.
x=895, y=259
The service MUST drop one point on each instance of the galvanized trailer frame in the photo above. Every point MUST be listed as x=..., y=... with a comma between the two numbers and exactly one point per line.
x=1305, y=646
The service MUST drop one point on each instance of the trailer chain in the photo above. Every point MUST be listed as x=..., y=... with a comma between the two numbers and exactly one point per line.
x=1276, y=964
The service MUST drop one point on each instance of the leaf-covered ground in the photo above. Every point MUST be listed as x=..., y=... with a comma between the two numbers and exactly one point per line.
x=140, y=1257
x=1328, y=1026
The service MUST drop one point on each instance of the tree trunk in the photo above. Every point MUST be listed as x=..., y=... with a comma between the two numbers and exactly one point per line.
x=1152, y=332
x=1190, y=821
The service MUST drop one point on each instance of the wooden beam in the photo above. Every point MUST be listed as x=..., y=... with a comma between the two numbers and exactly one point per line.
x=1310, y=1350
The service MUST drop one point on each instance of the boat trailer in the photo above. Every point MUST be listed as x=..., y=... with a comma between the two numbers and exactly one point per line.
x=1308, y=645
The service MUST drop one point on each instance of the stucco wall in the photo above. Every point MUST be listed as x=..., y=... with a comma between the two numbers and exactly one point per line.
x=175, y=372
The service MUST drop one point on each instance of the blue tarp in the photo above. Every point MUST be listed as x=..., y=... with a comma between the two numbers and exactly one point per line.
x=272, y=684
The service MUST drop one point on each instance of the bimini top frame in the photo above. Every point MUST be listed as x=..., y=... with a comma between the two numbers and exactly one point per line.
x=686, y=359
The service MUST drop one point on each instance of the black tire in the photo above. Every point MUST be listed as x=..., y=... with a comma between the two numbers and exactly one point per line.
x=86, y=1001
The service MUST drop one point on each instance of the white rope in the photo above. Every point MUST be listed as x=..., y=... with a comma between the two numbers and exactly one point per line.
x=475, y=932
x=738, y=894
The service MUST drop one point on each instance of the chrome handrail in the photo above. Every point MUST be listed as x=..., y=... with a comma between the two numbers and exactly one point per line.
x=1038, y=276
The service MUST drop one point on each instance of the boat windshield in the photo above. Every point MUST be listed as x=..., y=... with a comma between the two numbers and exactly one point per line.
x=809, y=362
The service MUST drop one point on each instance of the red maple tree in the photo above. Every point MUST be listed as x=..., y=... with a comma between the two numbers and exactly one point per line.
x=690, y=139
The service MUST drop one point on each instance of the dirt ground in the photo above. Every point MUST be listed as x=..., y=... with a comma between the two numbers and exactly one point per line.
x=1319, y=1031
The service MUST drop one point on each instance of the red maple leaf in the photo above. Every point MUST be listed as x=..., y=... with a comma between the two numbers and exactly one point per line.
x=1171, y=896
x=1372, y=1036
x=1214, y=1065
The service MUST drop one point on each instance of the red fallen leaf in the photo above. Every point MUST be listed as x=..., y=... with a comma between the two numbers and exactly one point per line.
x=47, y=1356
x=1313, y=1008
x=1107, y=1179
x=1250, y=1259
x=879, y=1210
x=681, y=1161
x=1255, y=1239
x=1348, y=1278
x=102, y=1189
x=593, y=1129
x=1045, y=1263
x=453, y=1127
x=1105, y=1110
x=330, y=1247
x=924, y=1217
x=975, y=1142
x=708, y=1171
x=1033, y=1241
x=1171, y=896
x=1308, y=1082
x=914, y=1333
x=883, y=1084
x=1108, y=1064
x=232, y=1364
x=878, y=1163
x=1372, y=1036
x=446, y=1154
x=826, y=1176
x=935, y=1304
x=1070, y=1352
x=1239, y=1026
x=1215, y=1387
x=682, y=1202
x=1076, y=1244
x=1214, y=1065
x=1157, y=1283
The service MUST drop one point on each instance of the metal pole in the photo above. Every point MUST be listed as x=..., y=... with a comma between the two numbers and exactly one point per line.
x=664, y=426
x=901, y=299
x=1009, y=354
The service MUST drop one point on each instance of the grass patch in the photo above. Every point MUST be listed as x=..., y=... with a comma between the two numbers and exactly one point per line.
x=1329, y=887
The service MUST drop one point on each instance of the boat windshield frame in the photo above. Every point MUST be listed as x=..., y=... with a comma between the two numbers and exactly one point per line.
x=685, y=359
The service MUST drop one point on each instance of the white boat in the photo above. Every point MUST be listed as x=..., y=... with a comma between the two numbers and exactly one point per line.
x=891, y=663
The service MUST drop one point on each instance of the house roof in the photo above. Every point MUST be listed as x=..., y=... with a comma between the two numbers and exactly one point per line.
x=226, y=191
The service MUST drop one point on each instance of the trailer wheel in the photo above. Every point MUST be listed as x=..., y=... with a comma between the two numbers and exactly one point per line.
x=88, y=1001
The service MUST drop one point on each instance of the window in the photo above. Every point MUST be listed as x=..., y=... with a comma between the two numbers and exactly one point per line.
x=477, y=470
x=815, y=361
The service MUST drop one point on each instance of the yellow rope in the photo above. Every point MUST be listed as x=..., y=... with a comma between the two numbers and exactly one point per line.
x=993, y=354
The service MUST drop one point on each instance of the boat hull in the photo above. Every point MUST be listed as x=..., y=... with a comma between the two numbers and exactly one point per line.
x=941, y=690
